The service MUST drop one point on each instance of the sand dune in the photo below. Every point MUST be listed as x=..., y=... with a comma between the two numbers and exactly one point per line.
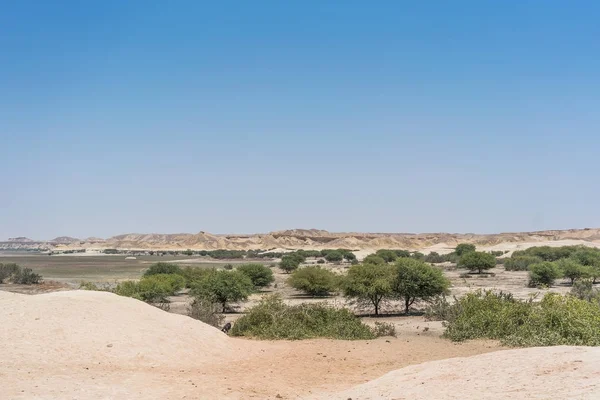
x=536, y=373
x=94, y=345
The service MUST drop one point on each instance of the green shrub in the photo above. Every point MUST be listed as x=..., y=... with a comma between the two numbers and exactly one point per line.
x=571, y=269
x=464, y=248
x=314, y=281
x=88, y=286
x=440, y=309
x=373, y=259
x=260, y=275
x=223, y=287
x=382, y=329
x=402, y=253
x=8, y=270
x=26, y=276
x=205, y=311
x=520, y=263
x=334, y=256
x=477, y=261
x=387, y=255
x=152, y=288
x=369, y=284
x=584, y=290
x=415, y=279
x=163, y=268
x=272, y=319
x=543, y=274
x=349, y=256
x=194, y=274
x=320, y=261
x=556, y=320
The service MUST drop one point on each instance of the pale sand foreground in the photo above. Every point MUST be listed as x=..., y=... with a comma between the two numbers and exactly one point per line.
x=94, y=345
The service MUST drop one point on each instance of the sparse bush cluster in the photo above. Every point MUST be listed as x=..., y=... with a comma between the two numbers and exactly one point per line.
x=546, y=264
x=556, y=320
x=152, y=288
x=13, y=273
x=273, y=319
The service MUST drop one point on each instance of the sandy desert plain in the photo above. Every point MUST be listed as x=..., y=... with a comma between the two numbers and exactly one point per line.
x=58, y=342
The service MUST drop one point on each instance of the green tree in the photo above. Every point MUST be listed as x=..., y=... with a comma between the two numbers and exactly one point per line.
x=334, y=256
x=464, y=248
x=314, y=281
x=290, y=262
x=415, y=279
x=369, y=284
x=477, y=261
x=260, y=275
x=544, y=273
x=163, y=268
x=223, y=287
x=572, y=270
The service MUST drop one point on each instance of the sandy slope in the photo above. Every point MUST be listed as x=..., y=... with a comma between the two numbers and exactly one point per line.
x=537, y=373
x=94, y=345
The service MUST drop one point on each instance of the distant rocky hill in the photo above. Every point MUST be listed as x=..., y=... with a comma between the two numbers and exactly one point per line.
x=302, y=239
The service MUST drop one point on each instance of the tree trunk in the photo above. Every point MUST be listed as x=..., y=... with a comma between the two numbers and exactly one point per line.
x=224, y=305
x=407, y=305
x=377, y=308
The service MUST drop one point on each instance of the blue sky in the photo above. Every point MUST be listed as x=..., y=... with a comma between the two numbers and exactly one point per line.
x=388, y=116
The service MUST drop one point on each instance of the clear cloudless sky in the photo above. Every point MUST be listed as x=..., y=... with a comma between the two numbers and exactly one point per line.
x=240, y=117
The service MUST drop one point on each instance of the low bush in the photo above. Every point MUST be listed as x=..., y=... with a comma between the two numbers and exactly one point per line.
x=26, y=276
x=314, y=281
x=334, y=256
x=387, y=255
x=521, y=263
x=584, y=290
x=153, y=288
x=373, y=259
x=163, y=268
x=7, y=271
x=260, y=275
x=543, y=274
x=320, y=261
x=205, y=311
x=556, y=320
x=195, y=274
x=273, y=319
x=384, y=329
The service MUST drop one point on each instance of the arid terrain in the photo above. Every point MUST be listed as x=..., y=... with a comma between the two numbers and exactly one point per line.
x=308, y=239
x=89, y=345
x=58, y=342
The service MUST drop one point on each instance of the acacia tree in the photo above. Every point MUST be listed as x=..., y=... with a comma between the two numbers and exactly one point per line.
x=369, y=284
x=290, y=262
x=314, y=281
x=477, y=261
x=260, y=275
x=464, y=248
x=415, y=279
x=223, y=287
